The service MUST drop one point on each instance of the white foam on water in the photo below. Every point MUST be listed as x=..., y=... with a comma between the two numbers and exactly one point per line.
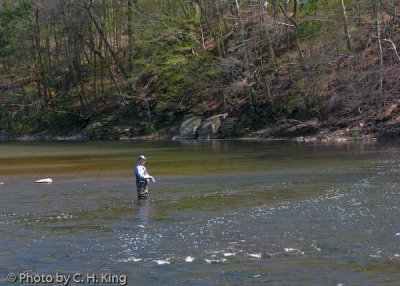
x=189, y=259
x=293, y=251
x=228, y=254
x=130, y=259
x=375, y=255
x=313, y=245
x=255, y=255
x=209, y=261
x=162, y=262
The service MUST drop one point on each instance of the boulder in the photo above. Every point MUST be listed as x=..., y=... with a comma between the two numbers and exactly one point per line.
x=228, y=128
x=189, y=128
x=211, y=126
x=5, y=136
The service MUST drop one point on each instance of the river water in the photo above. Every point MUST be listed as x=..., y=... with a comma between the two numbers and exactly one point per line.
x=220, y=212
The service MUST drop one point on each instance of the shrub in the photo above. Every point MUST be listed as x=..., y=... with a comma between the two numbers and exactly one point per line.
x=58, y=121
x=294, y=103
x=18, y=127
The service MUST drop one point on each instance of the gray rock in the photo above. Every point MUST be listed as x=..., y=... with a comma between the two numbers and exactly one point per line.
x=4, y=136
x=211, y=126
x=189, y=128
x=228, y=127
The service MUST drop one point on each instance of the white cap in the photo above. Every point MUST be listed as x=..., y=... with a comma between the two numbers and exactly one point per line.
x=142, y=157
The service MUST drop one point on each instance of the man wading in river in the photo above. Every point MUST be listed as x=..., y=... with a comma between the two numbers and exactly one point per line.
x=142, y=178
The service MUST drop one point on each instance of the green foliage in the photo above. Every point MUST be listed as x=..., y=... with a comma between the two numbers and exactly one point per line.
x=20, y=127
x=294, y=103
x=309, y=29
x=180, y=70
x=148, y=127
x=57, y=121
x=2, y=117
x=13, y=17
x=167, y=52
x=212, y=73
x=298, y=79
x=312, y=6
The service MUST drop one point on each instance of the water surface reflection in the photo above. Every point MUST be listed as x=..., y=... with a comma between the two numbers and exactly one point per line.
x=221, y=213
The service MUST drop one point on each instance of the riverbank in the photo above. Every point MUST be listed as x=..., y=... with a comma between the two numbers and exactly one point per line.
x=305, y=85
x=343, y=135
x=226, y=126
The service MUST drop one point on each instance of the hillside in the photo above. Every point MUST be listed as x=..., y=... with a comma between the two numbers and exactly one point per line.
x=123, y=69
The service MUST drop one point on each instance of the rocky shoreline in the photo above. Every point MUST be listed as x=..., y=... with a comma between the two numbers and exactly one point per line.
x=223, y=126
x=217, y=127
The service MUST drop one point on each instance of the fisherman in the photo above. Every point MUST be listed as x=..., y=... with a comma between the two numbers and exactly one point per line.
x=142, y=178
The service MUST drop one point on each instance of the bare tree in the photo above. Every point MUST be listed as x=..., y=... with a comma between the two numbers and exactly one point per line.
x=346, y=26
x=377, y=22
x=248, y=72
x=106, y=42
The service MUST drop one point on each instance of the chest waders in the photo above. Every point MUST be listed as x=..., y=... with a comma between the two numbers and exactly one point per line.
x=142, y=188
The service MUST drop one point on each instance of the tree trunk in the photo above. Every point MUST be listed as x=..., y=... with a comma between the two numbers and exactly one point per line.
x=346, y=26
x=245, y=53
x=93, y=48
x=39, y=61
x=213, y=34
x=130, y=38
x=270, y=49
x=295, y=8
x=377, y=22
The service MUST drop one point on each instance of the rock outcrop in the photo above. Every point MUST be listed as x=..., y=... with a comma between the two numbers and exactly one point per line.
x=211, y=126
x=199, y=128
x=189, y=128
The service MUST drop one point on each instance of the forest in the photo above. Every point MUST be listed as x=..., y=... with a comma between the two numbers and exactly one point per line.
x=111, y=69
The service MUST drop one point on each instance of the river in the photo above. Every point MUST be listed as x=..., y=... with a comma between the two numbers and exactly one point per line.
x=220, y=212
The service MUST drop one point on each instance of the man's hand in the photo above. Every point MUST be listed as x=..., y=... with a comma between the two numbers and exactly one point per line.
x=152, y=179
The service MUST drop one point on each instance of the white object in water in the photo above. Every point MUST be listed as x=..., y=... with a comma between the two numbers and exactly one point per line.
x=255, y=255
x=45, y=181
x=162, y=262
x=189, y=259
x=1, y=183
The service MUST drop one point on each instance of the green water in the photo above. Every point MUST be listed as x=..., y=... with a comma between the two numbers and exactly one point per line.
x=220, y=212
